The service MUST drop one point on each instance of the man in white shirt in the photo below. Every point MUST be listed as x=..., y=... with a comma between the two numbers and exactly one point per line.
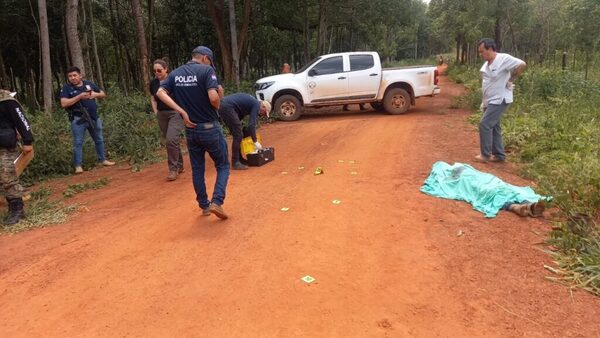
x=497, y=76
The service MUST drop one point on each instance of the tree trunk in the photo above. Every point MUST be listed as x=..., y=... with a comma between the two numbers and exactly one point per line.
x=85, y=44
x=512, y=33
x=4, y=79
x=306, y=35
x=243, y=34
x=322, y=32
x=118, y=52
x=73, y=35
x=66, y=43
x=216, y=16
x=498, y=25
x=234, y=46
x=142, y=46
x=95, y=46
x=458, y=49
x=151, y=28
x=45, y=54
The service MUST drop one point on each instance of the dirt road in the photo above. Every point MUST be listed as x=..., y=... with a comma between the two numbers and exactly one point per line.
x=141, y=261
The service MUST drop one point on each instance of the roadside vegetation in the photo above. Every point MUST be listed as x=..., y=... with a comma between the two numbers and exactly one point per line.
x=553, y=129
x=130, y=133
x=74, y=189
x=41, y=211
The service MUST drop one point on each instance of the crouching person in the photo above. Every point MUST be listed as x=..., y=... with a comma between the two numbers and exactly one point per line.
x=12, y=120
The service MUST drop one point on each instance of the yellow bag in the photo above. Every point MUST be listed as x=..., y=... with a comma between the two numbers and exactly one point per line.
x=247, y=144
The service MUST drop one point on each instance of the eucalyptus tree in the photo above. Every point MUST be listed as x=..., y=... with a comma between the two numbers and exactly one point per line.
x=72, y=32
x=45, y=57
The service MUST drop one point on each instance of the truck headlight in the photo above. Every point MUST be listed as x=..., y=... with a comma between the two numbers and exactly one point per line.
x=264, y=85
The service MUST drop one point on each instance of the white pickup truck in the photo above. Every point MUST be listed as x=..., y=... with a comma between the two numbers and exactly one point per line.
x=347, y=78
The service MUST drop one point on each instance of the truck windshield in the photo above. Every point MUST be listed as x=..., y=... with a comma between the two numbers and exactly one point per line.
x=308, y=65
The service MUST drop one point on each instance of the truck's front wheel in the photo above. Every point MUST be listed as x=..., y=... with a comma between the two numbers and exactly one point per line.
x=288, y=107
x=396, y=101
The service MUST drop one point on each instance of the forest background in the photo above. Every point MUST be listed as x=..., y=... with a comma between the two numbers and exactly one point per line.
x=552, y=128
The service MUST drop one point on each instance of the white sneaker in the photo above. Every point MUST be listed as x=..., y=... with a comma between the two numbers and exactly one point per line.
x=78, y=170
x=107, y=163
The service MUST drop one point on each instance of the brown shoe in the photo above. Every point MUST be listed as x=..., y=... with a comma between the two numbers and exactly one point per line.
x=218, y=211
x=206, y=212
x=172, y=176
x=181, y=170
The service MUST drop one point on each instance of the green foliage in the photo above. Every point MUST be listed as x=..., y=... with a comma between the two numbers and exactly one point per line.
x=553, y=128
x=467, y=76
x=130, y=133
x=41, y=211
x=74, y=189
x=578, y=258
x=130, y=128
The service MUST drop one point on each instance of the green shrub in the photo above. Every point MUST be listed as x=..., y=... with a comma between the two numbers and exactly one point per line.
x=130, y=133
x=553, y=128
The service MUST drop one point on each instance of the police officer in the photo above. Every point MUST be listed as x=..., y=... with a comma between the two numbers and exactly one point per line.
x=194, y=88
x=12, y=120
x=233, y=109
x=79, y=96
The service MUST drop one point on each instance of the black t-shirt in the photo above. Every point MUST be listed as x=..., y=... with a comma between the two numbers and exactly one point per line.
x=12, y=117
x=154, y=85
x=188, y=86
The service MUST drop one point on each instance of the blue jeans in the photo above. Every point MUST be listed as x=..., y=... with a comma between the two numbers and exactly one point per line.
x=490, y=131
x=208, y=137
x=78, y=128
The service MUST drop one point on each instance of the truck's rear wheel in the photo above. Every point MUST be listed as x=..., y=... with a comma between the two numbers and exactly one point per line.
x=396, y=101
x=288, y=108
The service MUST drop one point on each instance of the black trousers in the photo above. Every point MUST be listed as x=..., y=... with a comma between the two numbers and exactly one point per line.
x=234, y=124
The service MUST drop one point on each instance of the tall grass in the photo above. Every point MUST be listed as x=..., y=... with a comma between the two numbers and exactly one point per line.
x=553, y=128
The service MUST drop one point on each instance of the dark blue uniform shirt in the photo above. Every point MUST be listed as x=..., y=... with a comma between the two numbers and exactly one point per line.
x=188, y=86
x=69, y=91
x=244, y=104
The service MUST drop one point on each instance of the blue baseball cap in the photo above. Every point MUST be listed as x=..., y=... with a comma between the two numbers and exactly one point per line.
x=203, y=50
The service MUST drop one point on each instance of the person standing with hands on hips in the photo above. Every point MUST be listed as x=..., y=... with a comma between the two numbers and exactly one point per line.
x=169, y=121
x=233, y=109
x=12, y=120
x=194, y=88
x=497, y=76
x=78, y=97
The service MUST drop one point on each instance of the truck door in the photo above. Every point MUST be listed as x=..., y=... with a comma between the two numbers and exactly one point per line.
x=364, y=78
x=327, y=81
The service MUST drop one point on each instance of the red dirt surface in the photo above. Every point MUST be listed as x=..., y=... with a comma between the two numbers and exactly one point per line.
x=388, y=260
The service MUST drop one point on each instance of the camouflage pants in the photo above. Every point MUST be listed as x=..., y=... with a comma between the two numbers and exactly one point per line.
x=9, y=182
